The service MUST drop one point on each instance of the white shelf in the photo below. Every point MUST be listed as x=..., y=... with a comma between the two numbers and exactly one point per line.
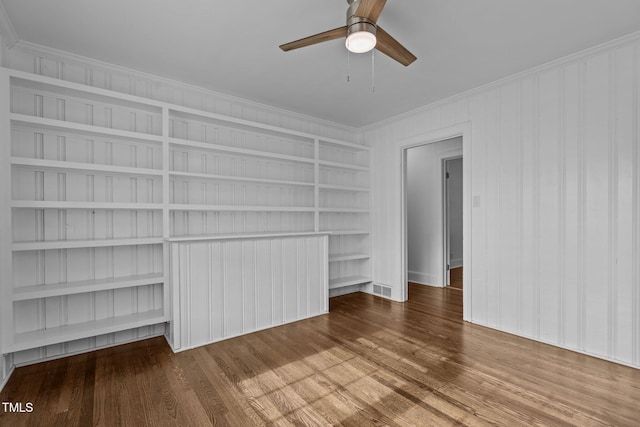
x=343, y=188
x=60, y=334
x=241, y=151
x=348, y=281
x=45, y=204
x=347, y=232
x=61, y=125
x=343, y=210
x=59, y=165
x=188, y=113
x=72, y=244
x=245, y=236
x=239, y=179
x=342, y=165
x=227, y=208
x=27, y=80
x=345, y=145
x=70, y=288
x=347, y=257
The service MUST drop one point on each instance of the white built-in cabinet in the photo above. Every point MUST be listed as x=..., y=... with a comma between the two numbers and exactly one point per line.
x=96, y=181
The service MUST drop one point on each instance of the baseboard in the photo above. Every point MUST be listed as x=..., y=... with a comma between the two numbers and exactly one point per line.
x=553, y=344
x=455, y=263
x=288, y=322
x=88, y=350
x=423, y=279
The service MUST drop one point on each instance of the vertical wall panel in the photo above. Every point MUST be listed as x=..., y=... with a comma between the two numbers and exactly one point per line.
x=491, y=143
x=623, y=142
x=224, y=288
x=510, y=190
x=548, y=209
x=571, y=86
x=479, y=215
x=597, y=192
x=234, y=292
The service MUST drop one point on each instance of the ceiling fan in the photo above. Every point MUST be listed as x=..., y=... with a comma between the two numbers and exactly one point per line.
x=362, y=33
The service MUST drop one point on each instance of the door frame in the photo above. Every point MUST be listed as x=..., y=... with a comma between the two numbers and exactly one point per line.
x=446, y=237
x=464, y=130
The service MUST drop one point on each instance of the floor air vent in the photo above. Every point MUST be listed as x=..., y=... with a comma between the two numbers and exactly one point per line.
x=384, y=291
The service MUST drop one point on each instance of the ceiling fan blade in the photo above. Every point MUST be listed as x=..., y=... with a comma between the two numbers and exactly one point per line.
x=392, y=48
x=336, y=33
x=370, y=9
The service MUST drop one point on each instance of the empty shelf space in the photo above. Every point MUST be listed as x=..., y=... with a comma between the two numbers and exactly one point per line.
x=342, y=282
x=344, y=210
x=60, y=334
x=343, y=188
x=228, y=178
x=240, y=151
x=346, y=232
x=344, y=145
x=62, y=125
x=71, y=244
x=343, y=165
x=60, y=165
x=65, y=88
x=69, y=288
x=347, y=257
x=46, y=204
x=227, y=208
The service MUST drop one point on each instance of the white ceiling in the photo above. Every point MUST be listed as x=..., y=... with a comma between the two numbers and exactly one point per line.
x=232, y=46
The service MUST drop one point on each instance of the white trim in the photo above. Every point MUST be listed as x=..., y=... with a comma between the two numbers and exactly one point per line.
x=7, y=32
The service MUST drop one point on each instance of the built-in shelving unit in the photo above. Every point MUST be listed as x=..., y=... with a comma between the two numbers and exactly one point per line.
x=86, y=207
x=100, y=181
x=343, y=206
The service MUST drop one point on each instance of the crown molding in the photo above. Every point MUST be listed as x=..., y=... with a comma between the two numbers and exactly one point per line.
x=7, y=32
x=582, y=55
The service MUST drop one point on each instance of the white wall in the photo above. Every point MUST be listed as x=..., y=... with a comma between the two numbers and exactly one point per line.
x=424, y=210
x=454, y=211
x=555, y=224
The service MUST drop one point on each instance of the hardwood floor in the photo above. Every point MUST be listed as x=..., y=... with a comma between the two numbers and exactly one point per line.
x=455, y=278
x=369, y=362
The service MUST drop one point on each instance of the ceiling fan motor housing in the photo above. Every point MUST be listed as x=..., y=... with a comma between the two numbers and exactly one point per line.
x=358, y=23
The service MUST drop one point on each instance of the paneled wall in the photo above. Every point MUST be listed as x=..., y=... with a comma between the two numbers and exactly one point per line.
x=225, y=287
x=555, y=185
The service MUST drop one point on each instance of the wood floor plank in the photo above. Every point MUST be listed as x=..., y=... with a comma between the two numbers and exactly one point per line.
x=368, y=362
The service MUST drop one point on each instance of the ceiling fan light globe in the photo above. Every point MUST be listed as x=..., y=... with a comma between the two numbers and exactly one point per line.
x=360, y=42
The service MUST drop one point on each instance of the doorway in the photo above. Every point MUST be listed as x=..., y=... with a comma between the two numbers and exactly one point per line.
x=434, y=211
x=470, y=202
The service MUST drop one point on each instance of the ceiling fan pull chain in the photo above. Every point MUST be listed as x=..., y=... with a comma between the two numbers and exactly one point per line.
x=373, y=71
x=348, y=66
